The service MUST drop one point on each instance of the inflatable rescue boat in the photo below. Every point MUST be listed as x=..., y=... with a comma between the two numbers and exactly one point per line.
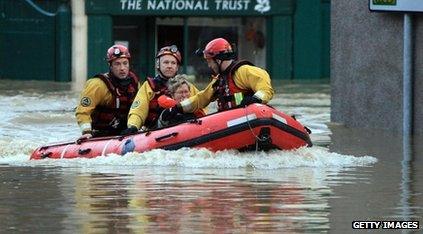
x=255, y=127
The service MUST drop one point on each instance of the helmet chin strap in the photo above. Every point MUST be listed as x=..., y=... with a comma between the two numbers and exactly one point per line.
x=219, y=66
x=162, y=75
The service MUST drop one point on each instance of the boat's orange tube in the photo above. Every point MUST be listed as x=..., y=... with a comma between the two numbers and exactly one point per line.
x=257, y=125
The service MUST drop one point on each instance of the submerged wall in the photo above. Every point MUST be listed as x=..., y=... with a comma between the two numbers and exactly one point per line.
x=366, y=67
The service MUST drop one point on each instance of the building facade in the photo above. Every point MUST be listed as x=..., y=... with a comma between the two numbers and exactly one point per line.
x=35, y=41
x=290, y=38
x=367, y=67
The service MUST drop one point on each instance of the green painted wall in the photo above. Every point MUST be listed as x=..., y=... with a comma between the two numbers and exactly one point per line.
x=325, y=39
x=99, y=40
x=311, y=39
x=33, y=45
x=279, y=49
x=63, y=43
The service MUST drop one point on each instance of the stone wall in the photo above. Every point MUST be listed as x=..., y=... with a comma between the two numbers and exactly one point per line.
x=366, y=67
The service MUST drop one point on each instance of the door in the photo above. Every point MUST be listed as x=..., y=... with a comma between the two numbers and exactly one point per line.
x=27, y=41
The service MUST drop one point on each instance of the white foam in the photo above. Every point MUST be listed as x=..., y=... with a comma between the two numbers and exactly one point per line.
x=315, y=157
x=34, y=119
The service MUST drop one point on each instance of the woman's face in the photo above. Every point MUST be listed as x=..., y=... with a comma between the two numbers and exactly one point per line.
x=182, y=93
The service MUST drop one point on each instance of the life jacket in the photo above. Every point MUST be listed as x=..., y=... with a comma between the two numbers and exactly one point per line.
x=225, y=88
x=159, y=88
x=112, y=119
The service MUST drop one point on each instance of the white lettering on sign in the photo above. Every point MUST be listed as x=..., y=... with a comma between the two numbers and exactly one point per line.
x=193, y=5
x=177, y=5
x=232, y=5
x=131, y=4
x=198, y=6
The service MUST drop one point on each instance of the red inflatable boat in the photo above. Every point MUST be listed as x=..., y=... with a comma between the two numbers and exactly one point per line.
x=254, y=127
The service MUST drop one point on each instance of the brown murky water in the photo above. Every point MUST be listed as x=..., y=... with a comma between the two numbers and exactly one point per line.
x=351, y=174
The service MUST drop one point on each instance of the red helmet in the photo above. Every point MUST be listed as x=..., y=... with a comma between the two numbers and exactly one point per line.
x=117, y=51
x=170, y=50
x=218, y=48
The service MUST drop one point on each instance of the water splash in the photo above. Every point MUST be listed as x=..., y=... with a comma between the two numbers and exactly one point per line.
x=315, y=157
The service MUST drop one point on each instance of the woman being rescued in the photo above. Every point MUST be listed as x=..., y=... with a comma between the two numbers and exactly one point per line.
x=179, y=90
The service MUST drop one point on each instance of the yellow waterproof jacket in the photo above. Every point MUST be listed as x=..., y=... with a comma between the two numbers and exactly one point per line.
x=246, y=77
x=94, y=94
x=140, y=107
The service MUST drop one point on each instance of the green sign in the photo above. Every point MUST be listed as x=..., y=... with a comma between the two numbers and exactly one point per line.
x=190, y=7
x=385, y=2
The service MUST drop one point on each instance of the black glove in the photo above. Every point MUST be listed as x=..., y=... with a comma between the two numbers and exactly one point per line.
x=129, y=131
x=249, y=100
x=171, y=113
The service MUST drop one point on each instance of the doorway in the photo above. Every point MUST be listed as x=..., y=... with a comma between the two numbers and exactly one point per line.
x=199, y=31
x=138, y=34
x=170, y=35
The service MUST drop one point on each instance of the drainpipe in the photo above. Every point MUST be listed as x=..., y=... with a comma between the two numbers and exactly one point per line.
x=408, y=77
x=407, y=162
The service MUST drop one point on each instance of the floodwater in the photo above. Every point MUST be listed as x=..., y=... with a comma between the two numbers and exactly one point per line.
x=349, y=175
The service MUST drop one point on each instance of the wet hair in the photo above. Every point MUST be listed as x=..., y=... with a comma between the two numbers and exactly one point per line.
x=174, y=83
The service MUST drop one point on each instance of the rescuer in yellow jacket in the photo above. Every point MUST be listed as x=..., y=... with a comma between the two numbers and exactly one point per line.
x=145, y=109
x=105, y=101
x=235, y=83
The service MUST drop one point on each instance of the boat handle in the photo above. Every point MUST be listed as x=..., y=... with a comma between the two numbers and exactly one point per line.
x=84, y=151
x=46, y=154
x=173, y=134
x=307, y=129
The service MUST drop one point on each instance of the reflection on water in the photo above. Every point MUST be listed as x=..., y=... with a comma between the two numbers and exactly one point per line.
x=351, y=174
x=180, y=200
x=216, y=205
x=395, y=189
x=406, y=206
